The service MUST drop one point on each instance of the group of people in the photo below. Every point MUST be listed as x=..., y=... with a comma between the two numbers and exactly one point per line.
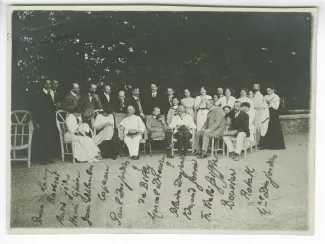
x=160, y=116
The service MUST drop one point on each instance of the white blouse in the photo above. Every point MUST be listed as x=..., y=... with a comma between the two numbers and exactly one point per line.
x=224, y=101
x=198, y=100
x=275, y=100
x=73, y=125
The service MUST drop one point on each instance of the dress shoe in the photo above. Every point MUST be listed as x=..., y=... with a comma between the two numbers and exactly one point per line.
x=196, y=153
x=233, y=155
x=236, y=157
x=203, y=155
x=134, y=157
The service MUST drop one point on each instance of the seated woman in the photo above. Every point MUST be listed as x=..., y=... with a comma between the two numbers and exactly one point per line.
x=173, y=110
x=104, y=126
x=84, y=147
x=226, y=109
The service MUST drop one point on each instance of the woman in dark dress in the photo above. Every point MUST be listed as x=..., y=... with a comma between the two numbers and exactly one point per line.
x=273, y=138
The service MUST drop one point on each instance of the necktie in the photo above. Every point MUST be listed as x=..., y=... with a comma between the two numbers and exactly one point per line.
x=78, y=120
x=153, y=95
x=227, y=99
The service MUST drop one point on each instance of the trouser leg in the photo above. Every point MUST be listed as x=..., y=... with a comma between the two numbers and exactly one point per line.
x=197, y=146
x=228, y=142
x=186, y=140
x=240, y=142
x=205, y=141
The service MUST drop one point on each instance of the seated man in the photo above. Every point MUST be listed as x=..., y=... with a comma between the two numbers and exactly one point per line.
x=104, y=138
x=212, y=128
x=182, y=124
x=252, y=129
x=133, y=128
x=158, y=129
x=85, y=149
x=239, y=129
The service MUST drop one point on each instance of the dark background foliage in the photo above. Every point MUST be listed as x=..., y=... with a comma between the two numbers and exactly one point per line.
x=178, y=49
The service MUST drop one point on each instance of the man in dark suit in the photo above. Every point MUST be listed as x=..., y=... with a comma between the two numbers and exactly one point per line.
x=57, y=95
x=91, y=99
x=105, y=97
x=213, y=128
x=239, y=128
x=167, y=102
x=135, y=101
x=72, y=99
x=153, y=100
x=121, y=104
x=46, y=144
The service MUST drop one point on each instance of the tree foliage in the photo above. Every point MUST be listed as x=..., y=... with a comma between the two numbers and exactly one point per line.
x=178, y=49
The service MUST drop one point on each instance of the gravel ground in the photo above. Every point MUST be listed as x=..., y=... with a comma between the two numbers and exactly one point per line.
x=120, y=207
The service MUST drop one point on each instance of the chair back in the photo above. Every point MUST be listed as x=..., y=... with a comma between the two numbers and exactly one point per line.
x=61, y=117
x=21, y=129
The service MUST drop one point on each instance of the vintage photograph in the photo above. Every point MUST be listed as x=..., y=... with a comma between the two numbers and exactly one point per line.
x=151, y=118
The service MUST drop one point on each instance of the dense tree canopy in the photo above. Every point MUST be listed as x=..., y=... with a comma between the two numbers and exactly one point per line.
x=179, y=49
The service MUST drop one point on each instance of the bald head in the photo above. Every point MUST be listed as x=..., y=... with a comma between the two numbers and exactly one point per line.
x=121, y=95
x=131, y=110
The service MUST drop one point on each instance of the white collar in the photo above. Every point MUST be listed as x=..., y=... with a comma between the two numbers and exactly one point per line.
x=46, y=91
x=73, y=93
x=136, y=97
x=153, y=93
x=107, y=95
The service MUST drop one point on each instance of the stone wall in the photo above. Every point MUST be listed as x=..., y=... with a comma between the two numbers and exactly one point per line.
x=295, y=123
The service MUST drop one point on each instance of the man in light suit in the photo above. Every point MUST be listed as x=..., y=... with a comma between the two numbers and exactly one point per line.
x=91, y=99
x=71, y=100
x=213, y=128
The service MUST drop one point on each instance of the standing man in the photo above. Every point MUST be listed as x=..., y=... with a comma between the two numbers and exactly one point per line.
x=220, y=92
x=212, y=128
x=91, y=99
x=167, y=103
x=259, y=104
x=136, y=103
x=121, y=104
x=71, y=100
x=57, y=95
x=153, y=100
x=133, y=128
x=239, y=129
x=105, y=97
x=47, y=135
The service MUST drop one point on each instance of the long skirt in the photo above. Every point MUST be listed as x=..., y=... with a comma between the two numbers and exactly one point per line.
x=273, y=138
x=84, y=148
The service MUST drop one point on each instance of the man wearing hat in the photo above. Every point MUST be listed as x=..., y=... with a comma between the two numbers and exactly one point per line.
x=133, y=128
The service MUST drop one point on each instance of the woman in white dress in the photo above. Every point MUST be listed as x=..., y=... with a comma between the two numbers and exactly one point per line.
x=84, y=147
x=243, y=98
x=200, y=106
x=188, y=103
x=227, y=99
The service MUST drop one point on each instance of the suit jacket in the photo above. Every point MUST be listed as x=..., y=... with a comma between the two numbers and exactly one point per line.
x=44, y=112
x=153, y=125
x=118, y=108
x=215, y=122
x=165, y=105
x=94, y=104
x=239, y=123
x=104, y=101
x=70, y=102
x=134, y=103
x=152, y=102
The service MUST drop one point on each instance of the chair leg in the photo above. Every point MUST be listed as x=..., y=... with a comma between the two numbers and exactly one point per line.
x=62, y=152
x=72, y=149
x=245, y=144
x=212, y=147
x=29, y=156
x=172, y=149
x=223, y=148
x=150, y=150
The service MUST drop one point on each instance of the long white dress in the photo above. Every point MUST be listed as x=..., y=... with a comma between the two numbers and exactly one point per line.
x=107, y=132
x=202, y=112
x=84, y=147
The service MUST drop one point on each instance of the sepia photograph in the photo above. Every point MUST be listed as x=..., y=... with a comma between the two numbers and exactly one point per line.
x=151, y=119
